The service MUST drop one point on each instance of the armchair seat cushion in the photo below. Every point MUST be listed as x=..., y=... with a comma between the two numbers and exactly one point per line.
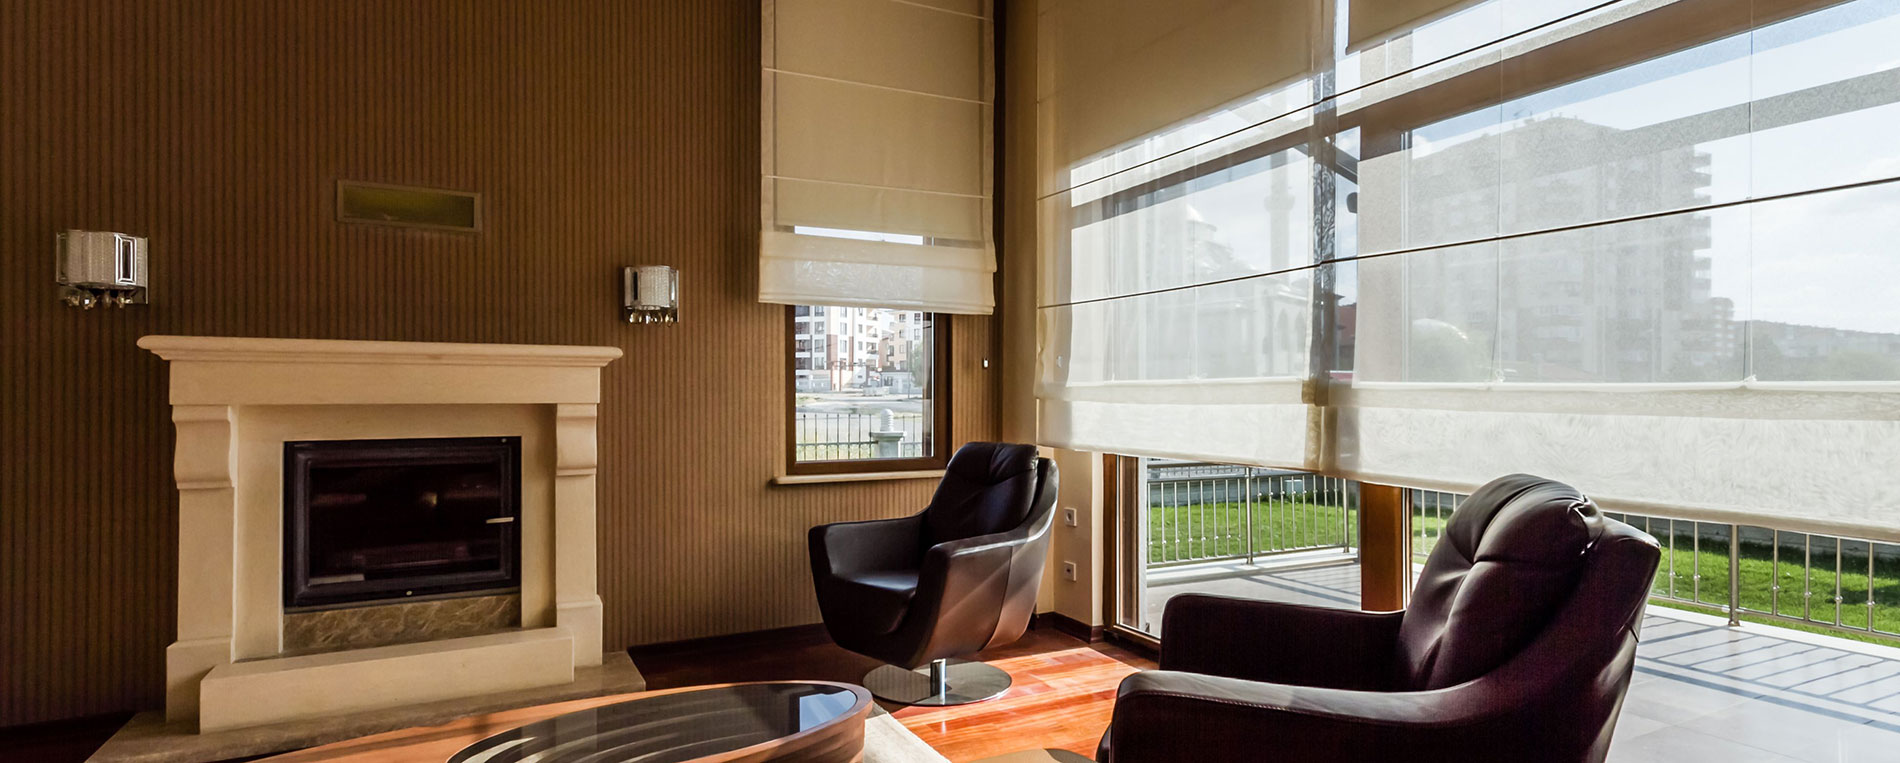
x=881, y=597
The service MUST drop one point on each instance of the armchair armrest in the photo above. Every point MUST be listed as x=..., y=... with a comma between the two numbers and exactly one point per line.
x=956, y=552
x=958, y=566
x=1164, y=715
x=965, y=587
x=1284, y=643
x=878, y=544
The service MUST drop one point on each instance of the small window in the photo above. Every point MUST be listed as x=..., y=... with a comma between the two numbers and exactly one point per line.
x=869, y=392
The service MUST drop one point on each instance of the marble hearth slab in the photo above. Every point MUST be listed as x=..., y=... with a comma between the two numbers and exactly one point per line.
x=404, y=622
x=147, y=738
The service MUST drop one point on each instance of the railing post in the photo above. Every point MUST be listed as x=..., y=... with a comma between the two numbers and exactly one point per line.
x=1695, y=561
x=1337, y=488
x=1734, y=574
x=1246, y=485
x=1774, y=569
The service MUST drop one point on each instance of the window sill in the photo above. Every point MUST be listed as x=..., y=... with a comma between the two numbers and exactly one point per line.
x=817, y=479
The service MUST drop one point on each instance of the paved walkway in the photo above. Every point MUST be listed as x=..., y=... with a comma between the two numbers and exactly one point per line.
x=1702, y=692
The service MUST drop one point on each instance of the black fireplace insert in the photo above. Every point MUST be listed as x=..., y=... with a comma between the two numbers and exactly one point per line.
x=370, y=520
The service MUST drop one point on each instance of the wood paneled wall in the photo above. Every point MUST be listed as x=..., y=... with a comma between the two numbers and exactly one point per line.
x=600, y=133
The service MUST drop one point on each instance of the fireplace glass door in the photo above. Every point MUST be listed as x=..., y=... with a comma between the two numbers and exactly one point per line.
x=373, y=520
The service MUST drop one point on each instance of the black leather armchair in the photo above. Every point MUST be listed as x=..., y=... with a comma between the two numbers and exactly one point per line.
x=1517, y=645
x=959, y=577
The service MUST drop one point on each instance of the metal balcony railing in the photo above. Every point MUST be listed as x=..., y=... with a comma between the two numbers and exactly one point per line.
x=1747, y=572
x=1199, y=512
x=847, y=436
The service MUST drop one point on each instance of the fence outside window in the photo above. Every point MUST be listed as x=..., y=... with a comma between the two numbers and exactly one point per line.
x=1199, y=512
x=849, y=436
x=1747, y=572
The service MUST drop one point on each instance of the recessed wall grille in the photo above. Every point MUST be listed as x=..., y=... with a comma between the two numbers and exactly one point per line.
x=408, y=206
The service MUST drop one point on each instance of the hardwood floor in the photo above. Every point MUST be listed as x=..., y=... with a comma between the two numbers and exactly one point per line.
x=1062, y=696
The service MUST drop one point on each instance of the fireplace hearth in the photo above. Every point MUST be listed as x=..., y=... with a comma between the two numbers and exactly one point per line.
x=374, y=521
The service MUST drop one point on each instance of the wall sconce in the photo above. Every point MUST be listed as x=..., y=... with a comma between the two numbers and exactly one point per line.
x=650, y=294
x=97, y=268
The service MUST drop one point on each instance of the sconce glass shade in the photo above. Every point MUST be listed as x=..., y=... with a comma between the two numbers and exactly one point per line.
x=650, y=294
x=100, y=268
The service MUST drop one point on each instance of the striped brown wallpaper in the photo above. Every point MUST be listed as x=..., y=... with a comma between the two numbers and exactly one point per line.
x=599, y=132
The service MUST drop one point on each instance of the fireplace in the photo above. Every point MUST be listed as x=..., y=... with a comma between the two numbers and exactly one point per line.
x=369, y=521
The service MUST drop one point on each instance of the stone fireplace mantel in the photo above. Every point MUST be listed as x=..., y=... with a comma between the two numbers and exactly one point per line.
x=236, y=401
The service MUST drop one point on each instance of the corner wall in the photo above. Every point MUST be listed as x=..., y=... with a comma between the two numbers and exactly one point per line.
x=600, y=133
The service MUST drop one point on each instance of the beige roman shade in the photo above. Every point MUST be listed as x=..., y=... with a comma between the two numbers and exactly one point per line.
x=876, y=129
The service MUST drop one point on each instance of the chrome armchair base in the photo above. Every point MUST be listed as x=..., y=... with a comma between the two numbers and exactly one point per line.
x=941, y=683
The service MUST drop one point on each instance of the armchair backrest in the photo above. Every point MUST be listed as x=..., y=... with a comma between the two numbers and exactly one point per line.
x=1509, y=559
x=988, y=487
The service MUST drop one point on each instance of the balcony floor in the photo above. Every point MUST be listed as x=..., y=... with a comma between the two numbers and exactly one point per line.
x=1703, y=691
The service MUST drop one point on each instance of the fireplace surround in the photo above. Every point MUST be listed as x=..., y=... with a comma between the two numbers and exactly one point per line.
x=238, y=402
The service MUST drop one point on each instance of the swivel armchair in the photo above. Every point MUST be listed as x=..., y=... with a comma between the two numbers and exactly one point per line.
x=958, y=577
x=1518, y=645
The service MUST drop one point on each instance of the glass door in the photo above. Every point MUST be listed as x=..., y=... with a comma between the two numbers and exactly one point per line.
x=1232, y=530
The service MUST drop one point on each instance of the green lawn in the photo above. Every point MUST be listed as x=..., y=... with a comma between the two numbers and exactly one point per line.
x=1216, y=529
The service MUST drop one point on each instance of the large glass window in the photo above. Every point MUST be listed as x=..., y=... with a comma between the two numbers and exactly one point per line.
x=869, y=390
x=1653, y=231
x=1642, y=246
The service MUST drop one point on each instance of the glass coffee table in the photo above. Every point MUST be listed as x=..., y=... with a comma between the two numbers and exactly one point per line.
x=815, y=721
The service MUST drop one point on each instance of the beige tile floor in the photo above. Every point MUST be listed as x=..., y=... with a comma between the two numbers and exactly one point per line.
x=1703, y=691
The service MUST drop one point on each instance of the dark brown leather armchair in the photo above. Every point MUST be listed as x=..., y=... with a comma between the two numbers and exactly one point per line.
x=957, y=578
x=1518, y=645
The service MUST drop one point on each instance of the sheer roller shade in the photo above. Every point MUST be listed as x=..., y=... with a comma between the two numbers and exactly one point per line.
x=877, y=154
x=1651, y=254
x=1176, y=311
x=1647, y=247
x=1370, y=21
x=1120, y=71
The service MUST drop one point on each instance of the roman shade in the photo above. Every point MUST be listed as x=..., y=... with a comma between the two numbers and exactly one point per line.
x=1149, y=280
x=1644, y=247
x=876, y=177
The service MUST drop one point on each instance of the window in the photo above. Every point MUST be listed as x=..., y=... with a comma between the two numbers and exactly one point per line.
x=1482, y=231
x=874, y=399
x=1198, y=527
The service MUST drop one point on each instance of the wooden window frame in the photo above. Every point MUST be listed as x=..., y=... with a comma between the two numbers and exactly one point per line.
x=940, y=396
